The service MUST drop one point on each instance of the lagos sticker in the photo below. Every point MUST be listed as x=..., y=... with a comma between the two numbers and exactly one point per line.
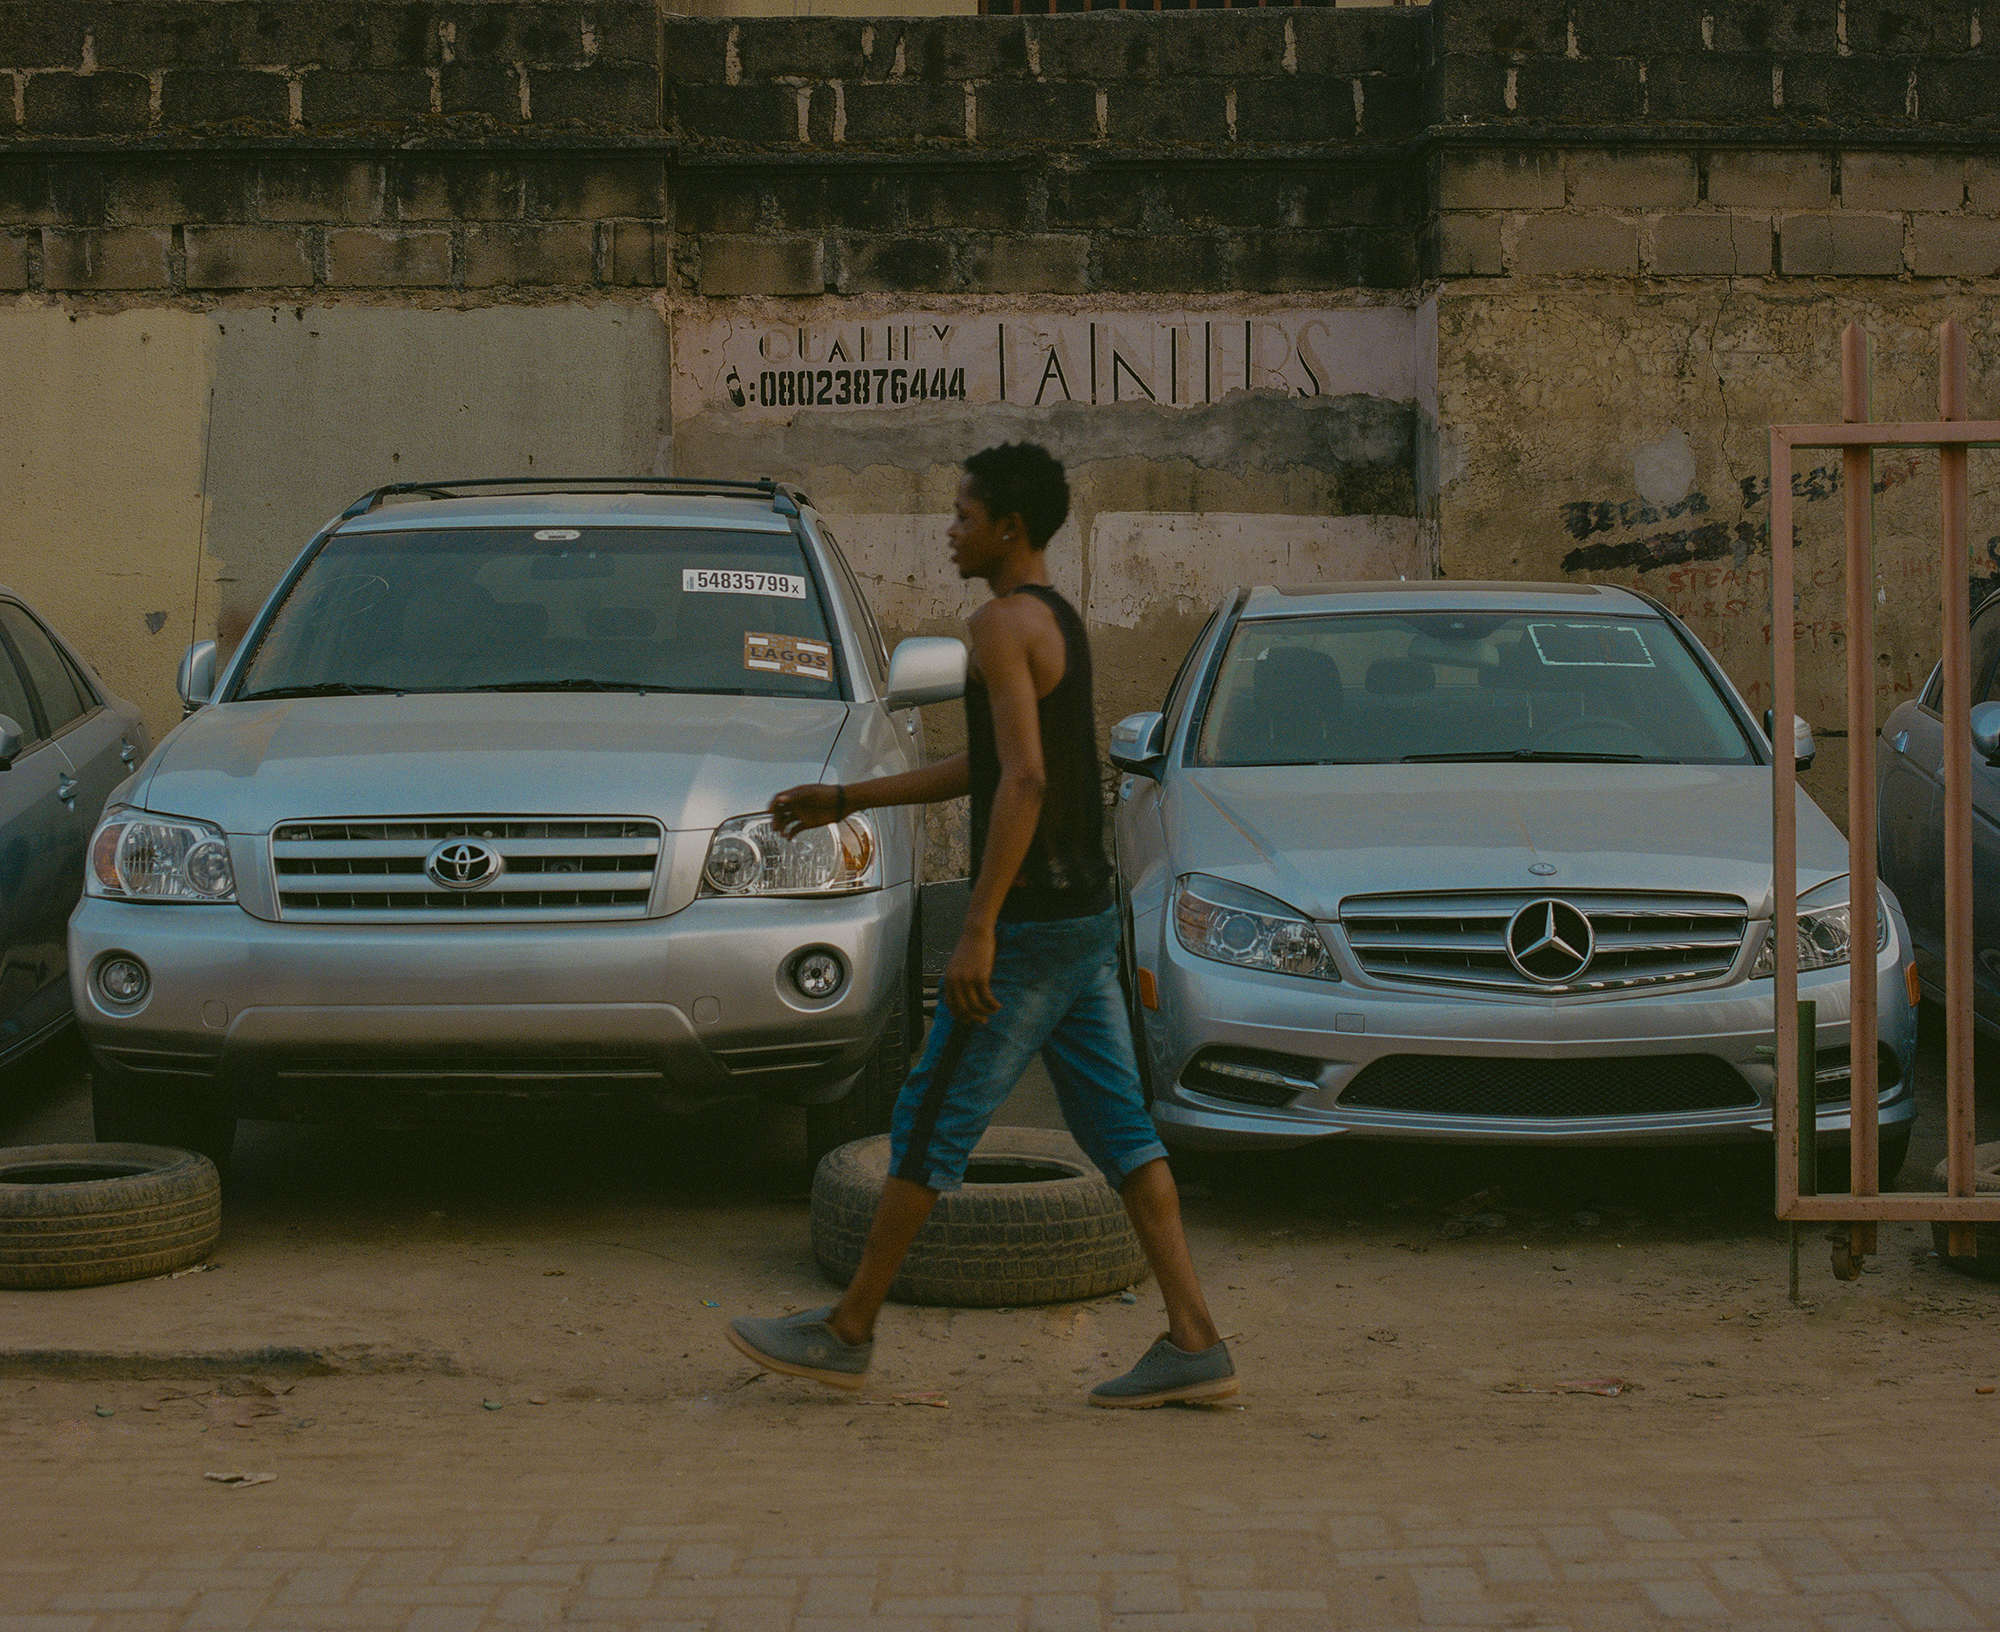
x=788, y=654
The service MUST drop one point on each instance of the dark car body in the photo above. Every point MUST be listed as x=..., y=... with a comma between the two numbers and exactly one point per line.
x=1910, y=837
x=76, y=742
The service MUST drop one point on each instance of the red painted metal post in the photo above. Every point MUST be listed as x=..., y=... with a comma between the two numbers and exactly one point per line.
x=1858, y=492
x=1955, y=502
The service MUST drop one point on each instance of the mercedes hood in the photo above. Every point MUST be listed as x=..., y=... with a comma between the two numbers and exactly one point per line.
x=1313, y=835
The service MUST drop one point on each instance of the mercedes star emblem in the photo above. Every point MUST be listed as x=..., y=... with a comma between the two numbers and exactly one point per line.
x=463, y=864
x=1550, y=942
x=1542, y=869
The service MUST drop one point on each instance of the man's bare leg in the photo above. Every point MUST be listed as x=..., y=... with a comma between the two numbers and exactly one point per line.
x=1155, y=1208
x=898, y=1216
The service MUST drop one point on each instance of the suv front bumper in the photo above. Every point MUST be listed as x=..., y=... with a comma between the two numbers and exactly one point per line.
x=693, y=1009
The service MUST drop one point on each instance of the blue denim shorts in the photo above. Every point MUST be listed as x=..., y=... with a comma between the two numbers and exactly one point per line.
x=1057, y=987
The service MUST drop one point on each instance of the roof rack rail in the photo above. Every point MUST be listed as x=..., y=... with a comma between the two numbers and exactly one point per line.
x=780, y=494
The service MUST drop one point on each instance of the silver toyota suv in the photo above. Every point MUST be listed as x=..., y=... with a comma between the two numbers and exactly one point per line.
x=476, y=809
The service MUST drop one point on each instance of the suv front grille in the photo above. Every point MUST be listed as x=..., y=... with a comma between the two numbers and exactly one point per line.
x=340, y=871
x=1473, y=1085
x=1461, y=940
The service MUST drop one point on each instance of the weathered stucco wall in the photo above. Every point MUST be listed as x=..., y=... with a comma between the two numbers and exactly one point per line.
x=1666, y=394
x=101, y=523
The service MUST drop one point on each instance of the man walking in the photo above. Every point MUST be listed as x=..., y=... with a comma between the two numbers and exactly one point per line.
x=1035, y=970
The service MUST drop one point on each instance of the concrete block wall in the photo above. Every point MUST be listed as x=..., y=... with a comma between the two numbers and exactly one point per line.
x=203, y=146
x=1592, y=139
x=1255, y=151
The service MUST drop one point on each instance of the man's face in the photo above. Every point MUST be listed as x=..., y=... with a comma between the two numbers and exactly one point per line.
x=978, y=542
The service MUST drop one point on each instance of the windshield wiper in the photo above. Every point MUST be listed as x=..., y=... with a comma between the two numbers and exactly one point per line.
x=574, y=683
x=325, y=688
x=587, y=685
x=1558, y=756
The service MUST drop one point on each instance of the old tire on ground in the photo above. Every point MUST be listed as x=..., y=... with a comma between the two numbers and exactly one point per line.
x=1986, y=1263
x=84, y=1215
x=1035, y=1223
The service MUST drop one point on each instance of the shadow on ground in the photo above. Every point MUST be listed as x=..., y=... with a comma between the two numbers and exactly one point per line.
x=471, y=1162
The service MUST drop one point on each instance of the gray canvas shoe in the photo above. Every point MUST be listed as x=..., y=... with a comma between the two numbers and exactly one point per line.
x=803, y=1345
x=1166, y=1375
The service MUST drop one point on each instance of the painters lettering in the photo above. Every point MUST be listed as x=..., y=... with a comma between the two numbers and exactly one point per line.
x=747, y=365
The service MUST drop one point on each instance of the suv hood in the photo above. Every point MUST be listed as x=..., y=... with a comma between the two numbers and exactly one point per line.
x=690, y=761
x=1313, y=835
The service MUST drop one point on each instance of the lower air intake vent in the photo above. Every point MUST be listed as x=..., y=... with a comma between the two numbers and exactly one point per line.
x=1471, y=1085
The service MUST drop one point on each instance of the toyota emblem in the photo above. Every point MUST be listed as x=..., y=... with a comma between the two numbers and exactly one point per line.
x=463, y=864
x=1550, y=942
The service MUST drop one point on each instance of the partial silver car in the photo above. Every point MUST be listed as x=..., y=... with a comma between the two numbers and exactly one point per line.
x=65, y=742
x=1478, y=862
x=476, y=809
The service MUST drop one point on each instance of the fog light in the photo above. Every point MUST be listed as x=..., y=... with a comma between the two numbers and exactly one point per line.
x=818, y=975
x=123, y=980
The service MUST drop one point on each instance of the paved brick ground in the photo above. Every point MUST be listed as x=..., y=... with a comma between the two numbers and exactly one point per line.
x=763, y=1508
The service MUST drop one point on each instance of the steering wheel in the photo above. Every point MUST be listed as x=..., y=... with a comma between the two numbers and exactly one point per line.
x=1597, y=734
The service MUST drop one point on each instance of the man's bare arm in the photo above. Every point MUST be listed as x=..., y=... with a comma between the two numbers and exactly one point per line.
x=817, y=803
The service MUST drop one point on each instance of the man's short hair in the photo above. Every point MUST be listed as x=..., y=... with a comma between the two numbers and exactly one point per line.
x=1025, y=480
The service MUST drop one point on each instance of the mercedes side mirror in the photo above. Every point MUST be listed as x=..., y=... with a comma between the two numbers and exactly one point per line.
x=1139, y=745
x=196, y=680
x=1985, y=720
x=925, y=669
x=11, y=739
x=1804, y=749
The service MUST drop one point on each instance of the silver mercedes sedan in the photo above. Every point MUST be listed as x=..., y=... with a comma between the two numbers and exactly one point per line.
x=1473, y=862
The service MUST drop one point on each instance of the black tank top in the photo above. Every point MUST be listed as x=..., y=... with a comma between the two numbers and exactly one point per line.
x=1064, y=874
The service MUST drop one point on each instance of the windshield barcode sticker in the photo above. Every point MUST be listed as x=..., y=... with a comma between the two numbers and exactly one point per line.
x=716, y=581
x=788, y=654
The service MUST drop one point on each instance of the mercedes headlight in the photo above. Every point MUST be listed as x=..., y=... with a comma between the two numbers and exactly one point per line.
x=137, y=856
x=1231, y=924
x=748, y=857
x=1824, y=939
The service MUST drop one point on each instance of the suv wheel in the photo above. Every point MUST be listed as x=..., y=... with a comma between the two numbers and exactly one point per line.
x=129, y=1109
x=864, y=1109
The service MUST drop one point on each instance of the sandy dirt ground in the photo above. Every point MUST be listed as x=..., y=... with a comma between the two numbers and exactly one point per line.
x=529, y=1390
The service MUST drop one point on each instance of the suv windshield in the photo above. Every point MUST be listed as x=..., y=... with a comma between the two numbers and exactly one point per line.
x=1374, y=689
x=550, y=609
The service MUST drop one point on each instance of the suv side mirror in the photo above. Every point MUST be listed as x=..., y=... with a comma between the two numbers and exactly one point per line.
x=196, y=680
x=1985, y=721
x=1139, y=745
x=11, y=739
x=1804, y=749
x=924, y=669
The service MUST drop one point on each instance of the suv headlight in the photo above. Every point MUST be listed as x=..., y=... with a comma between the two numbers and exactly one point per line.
x=748, y=857
x=1231, y=924
x=137, y=856
x=1824, y=939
